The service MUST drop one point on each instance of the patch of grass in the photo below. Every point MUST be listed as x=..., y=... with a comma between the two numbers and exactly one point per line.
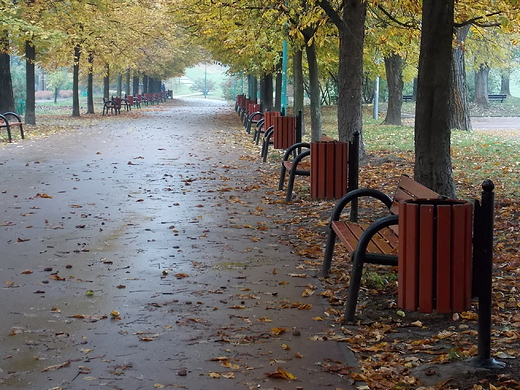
x=476, y=155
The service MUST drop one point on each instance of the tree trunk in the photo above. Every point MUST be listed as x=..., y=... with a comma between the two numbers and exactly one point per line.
x=481, y=86
x=106, y=83
x=298, y=104
x=90, y=84
x=350, y=74
x=135, y=85
x=433, y=166
x=75, y=82
x=145, y=83
x=394, y=77
x=30, y=99
x=266, y=92
x=505, y=82
x=6, y=92
x=119, y=92
x=127, y=83
x=459, y=106
x=314, y=87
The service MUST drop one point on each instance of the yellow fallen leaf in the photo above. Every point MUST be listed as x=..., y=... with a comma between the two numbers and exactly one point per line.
x=307, y=292
x=281, y=373
x=278, y=331
x=285, y=347
x=214, y=375
x=26, y=272
x=317, y=318
x=228, y=375
x=228, y=364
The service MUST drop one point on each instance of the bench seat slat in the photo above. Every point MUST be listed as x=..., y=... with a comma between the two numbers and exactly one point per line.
x=384, y=242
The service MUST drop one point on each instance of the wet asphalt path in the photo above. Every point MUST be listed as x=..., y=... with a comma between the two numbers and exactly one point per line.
x=158, y=219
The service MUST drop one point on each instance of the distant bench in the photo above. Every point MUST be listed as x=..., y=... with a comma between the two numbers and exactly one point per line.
x=8, y=120
x=496, y=98
x=407, y=98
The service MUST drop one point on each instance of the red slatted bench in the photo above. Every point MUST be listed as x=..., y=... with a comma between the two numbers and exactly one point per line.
x=374, y=243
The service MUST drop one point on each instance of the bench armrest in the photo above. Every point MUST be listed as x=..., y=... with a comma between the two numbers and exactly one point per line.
x=358, y=193
x=10, y=113
x=290, y=152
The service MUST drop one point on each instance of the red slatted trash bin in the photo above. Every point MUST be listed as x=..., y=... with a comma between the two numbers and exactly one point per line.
x=284, y=134
x=435, y=255
x=329, y=169
x=269, y=118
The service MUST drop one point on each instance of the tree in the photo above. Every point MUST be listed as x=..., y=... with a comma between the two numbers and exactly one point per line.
x=394, y=78
x=459, y=112
x=433, y=166
x=349, y=19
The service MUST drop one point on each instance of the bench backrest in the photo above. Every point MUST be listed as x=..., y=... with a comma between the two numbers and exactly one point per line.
x=410, y=189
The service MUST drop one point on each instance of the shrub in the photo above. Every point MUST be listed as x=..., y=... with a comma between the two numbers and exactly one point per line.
x=44, y=95
x=65, y=93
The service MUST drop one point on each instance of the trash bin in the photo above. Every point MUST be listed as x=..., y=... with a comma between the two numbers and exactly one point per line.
x=329, y=169
x=284, y=135
x=435, y=255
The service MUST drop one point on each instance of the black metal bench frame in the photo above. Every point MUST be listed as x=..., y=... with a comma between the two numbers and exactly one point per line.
x=7, y=124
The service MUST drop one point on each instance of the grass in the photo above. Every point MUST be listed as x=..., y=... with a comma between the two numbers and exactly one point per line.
x=476, y=155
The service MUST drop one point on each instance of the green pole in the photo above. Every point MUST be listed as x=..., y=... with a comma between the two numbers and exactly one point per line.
x=283, y=99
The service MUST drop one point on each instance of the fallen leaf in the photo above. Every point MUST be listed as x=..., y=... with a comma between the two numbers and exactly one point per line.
x=278, y=331
x=307, y=292
x=56, y=367
x=281, y=373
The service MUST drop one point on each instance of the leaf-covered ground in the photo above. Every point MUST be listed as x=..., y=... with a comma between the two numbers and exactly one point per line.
x=394, y=347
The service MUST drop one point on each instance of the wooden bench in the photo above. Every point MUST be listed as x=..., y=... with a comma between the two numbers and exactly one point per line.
x=253, y=119
x=294, y=164
x=498, y=97
x=407, y=98
x=10, y=119
x=374, y=243
x=110, y=106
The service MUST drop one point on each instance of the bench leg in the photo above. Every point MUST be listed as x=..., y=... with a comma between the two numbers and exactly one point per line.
x=290, y=184
x=265, y=145
x=8, y=128
x=283, y=171
x=329, y=251
x=353, y=289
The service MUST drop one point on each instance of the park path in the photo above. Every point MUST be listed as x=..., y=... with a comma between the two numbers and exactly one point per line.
x=157, y=219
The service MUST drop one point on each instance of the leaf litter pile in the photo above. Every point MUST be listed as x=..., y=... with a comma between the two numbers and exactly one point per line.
x=389, y=343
